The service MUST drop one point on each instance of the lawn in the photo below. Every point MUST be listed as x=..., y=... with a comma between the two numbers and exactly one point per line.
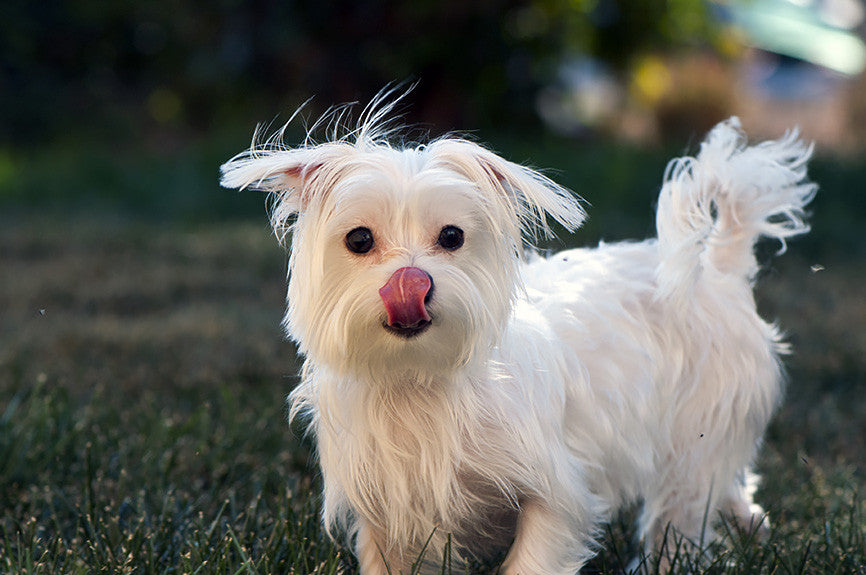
x=143, y=374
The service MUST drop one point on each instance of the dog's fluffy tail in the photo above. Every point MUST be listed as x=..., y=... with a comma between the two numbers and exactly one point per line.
x=713, y=208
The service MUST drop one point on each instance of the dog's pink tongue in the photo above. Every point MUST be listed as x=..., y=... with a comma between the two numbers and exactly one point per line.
x=404, y=296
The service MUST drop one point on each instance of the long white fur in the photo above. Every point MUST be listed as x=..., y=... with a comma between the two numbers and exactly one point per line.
x=547, y=393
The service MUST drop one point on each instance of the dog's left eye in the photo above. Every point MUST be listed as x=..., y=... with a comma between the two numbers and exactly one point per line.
x=450, y=238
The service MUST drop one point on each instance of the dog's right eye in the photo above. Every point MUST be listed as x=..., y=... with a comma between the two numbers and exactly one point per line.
x=450, y=238
x=359, y=240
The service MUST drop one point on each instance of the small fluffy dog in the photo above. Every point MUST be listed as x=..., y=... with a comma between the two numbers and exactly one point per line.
x=469, y=398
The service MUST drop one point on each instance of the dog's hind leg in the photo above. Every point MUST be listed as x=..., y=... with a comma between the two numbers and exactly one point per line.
x=739, y=504
x=679, y=512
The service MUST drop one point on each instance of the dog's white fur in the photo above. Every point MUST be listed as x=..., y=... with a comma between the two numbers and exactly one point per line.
x=547, y=393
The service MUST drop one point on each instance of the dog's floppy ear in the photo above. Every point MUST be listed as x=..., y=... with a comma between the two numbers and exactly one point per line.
x=294, y=177
x=525, y=193
x=283, y=172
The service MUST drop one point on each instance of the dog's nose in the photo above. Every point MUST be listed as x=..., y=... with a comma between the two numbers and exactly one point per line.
x=405, y=296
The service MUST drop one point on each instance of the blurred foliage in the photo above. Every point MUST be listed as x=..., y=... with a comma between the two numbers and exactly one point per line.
x=91, y=65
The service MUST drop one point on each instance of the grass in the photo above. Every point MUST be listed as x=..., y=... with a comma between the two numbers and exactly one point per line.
x=143, y=377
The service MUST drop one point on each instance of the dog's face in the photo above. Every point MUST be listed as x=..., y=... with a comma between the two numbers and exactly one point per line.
x=403, y=261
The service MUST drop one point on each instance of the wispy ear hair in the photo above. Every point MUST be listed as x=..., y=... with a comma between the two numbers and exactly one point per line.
x=528, y=195
x=289, y=173
x=294, y=175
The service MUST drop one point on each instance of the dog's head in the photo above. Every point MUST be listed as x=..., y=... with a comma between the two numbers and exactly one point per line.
x=403, y=260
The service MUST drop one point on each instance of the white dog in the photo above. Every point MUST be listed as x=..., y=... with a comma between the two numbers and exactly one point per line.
x=465, y=399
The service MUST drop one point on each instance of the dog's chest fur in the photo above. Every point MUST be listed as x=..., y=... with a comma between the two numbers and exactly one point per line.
x=409, y=461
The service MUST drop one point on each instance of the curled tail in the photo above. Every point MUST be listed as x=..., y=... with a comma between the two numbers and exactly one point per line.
x=713, y=207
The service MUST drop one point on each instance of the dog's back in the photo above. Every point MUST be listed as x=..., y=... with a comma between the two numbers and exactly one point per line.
x=672, y=374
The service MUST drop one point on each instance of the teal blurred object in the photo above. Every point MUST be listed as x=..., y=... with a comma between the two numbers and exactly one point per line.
x=818, y=32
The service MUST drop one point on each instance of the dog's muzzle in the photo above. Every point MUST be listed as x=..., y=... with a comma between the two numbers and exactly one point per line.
x=406, y=296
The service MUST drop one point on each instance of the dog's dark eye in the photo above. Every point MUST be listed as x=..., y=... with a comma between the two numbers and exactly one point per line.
x=450, y=238
x=359, y=240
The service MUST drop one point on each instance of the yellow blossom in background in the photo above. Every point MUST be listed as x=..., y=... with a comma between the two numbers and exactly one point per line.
x=650, y=80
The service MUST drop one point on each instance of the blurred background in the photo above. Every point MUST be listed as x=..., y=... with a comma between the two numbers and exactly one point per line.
x=118, y=248
x=158, y=73
x=133, y=104
x=115, y=117
x=140, y=303
x=110, y=100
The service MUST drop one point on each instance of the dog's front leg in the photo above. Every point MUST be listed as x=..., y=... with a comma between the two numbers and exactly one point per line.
x=546, y=542
x=372, y=553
